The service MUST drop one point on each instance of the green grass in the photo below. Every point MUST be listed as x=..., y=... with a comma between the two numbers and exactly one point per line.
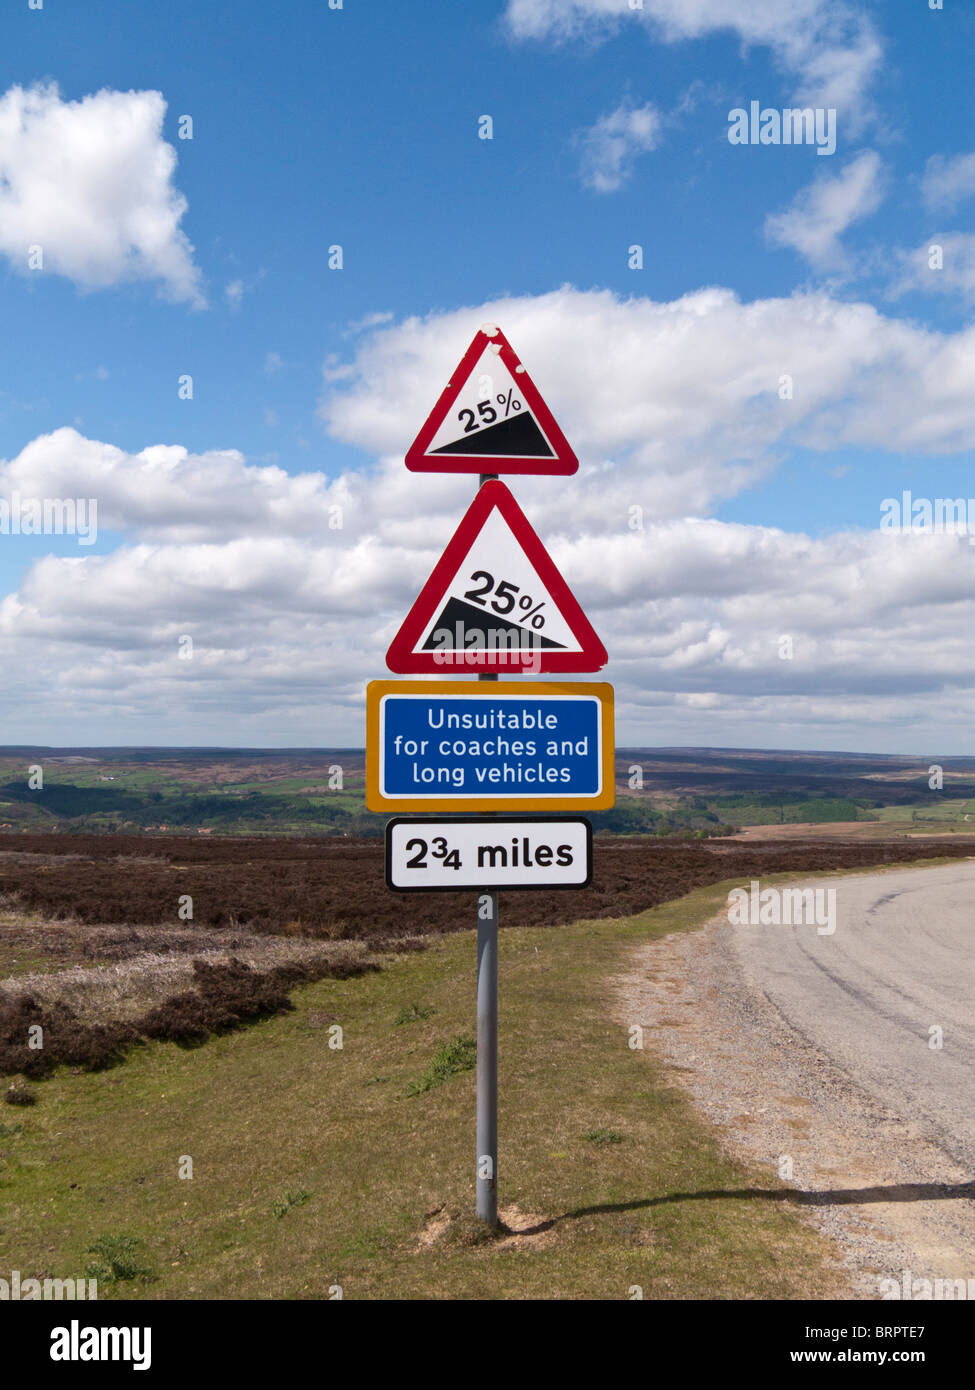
x=269, y=1115
x=413, y=1013
x=814, y=810
x=953, y=810
x=603, y=1136
x=289, y=1201
x=285, y=785
x=460, y=1054
x=119, y=1259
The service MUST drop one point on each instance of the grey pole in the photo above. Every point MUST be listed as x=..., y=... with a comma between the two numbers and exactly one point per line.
x=487, y=1039
x=487, y=1058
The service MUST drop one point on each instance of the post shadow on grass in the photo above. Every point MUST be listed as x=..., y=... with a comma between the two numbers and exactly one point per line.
x=829, y=1197
x=835, y=1197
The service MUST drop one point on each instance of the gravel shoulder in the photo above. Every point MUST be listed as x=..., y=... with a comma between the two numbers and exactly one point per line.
x=811, y=1050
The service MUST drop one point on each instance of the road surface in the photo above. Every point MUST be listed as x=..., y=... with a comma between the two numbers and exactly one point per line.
x=900, y=964
x=811, y=1052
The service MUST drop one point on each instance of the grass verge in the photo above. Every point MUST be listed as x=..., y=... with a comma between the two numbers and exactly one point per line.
x=607, y=1177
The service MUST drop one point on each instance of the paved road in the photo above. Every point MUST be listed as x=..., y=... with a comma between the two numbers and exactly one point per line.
x=901, y=960
x=815, y=1047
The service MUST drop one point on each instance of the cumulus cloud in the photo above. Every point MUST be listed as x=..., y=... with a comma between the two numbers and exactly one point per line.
x=287, y=633
x=610, y=147
x=90, y=183
x=944, y=264
x=166, y=493
x=675, y=405
x=831, y=48
x=671, y=407
x=821, y=213
x=948, y=182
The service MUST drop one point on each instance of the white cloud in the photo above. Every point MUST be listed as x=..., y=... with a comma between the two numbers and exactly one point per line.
x=670, y=406
x=821, y=213
x=832, y=49
x=610, y=147
x=286, y=633
x=372, y=320
x=948, y=182
x=675, y=405
x=166, y=493
x=236, y=289
x=944, y=264
x=90, y=182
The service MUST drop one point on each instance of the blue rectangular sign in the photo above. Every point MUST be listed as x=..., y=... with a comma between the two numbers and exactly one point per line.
x=472, y=745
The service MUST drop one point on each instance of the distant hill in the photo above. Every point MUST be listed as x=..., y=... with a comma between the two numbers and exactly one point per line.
x=699, y=792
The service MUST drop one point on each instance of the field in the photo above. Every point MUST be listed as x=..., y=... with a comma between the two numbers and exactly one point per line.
x=110, y=942
x=319, y=792
x=334, y=1021
x=334, y=889
x=269, y=1164
x=691, y=793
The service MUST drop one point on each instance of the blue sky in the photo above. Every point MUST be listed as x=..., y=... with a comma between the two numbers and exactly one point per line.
x=359, y=127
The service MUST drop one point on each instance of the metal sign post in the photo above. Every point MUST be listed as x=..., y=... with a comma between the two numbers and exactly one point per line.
x=487, y=1057
x=486, y=1138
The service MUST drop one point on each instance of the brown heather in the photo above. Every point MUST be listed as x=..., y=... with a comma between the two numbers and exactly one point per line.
x=226, y=996
x=334, y=888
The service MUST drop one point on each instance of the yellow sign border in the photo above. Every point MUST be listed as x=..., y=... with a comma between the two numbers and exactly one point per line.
x=375, y=801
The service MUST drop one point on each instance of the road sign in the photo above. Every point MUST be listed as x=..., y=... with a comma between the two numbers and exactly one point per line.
x=495, y=600
x=506, y=852
x=489, y=746
x=490, y=418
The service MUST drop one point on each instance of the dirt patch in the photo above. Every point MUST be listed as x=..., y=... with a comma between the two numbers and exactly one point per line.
x=517, y=1229
x=525, y=1230
x=436, y=1223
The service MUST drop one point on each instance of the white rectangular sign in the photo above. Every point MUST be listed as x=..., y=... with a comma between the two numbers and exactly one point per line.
x=488, y=852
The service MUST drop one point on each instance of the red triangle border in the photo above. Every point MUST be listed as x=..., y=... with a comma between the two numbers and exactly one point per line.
x=418, y=461
x=401, y=657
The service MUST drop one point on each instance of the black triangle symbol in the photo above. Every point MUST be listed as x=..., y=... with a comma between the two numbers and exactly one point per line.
x=519, y=434
x=461, y=621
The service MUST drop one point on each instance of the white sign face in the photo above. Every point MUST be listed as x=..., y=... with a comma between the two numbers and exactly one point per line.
x=498, y=587
x=490, y=418
x=503, y=852
x=495, y=599
x=490, y=415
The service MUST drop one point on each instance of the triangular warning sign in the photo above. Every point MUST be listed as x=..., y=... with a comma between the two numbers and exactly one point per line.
x=491, y=419
x=495, y=601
